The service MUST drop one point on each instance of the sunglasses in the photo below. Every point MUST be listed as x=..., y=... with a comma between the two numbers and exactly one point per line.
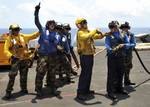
x=111, y=27
x=16, y=29
x=84, y=22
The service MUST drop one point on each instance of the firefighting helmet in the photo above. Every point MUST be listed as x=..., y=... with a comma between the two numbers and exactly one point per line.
x=113, y=24
x=80, y=20
x=15, y=26
x=125, y=25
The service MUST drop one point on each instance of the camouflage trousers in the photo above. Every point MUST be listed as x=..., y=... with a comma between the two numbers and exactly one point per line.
x=63, y=67
x=22, y=67
x=46, y=64
x=129, y=65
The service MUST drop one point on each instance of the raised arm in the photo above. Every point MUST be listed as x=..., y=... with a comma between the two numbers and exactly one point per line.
x=36, y=18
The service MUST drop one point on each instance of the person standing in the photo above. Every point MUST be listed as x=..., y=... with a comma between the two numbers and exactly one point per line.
x=128, y=60
x=48, y=57
x=67, y=29
x=115, y=43
x=63, y=50
x=86, y=51
x=16, y=48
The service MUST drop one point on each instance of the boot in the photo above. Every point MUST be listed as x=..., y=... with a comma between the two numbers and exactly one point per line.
x=91, y=92
x=129, y=83
x=54, y=91
x=124, y=92
x=8, y=95
x=112, y=96
x=24, y=91
x=82, y=97
x=39, y=93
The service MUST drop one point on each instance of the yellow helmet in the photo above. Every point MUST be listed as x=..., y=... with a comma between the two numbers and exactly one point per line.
x=14, y=26
x=79, y=20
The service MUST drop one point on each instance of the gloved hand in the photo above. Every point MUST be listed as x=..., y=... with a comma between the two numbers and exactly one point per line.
x=13, y=58
x=108, y=34
x=117, y=48
x=60, y=48
x=98, y=30
x=121, y=45
x=37, y=7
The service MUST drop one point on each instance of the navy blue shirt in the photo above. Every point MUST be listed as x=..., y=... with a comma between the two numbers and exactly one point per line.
x=47, y=39
x=63, y=41
x=115, y=39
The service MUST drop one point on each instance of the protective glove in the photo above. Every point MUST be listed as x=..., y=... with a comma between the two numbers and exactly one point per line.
x=13, y=58
x=98, y=30
x=37, y=8
x=107, y=34
x=60, y=48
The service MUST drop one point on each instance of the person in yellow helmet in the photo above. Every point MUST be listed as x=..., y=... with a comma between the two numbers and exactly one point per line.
x=86, y=51
x=17, y=50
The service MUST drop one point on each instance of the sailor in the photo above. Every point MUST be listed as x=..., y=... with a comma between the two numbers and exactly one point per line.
x=115, y=43
x=128, y=60
x=16, y=48
x=86, y=51
x=48, y=57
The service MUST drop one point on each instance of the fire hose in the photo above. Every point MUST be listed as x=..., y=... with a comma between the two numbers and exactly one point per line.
x=137, y=54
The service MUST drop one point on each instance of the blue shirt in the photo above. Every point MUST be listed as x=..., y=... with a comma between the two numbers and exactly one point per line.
x=47, y=42
x=131, y=40
x=63, y=41
x=111, y=41
x=47, y=39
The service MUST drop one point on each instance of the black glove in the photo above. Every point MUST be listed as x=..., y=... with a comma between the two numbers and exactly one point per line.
x=13, y=58
x=98, y=31
x=37, y=8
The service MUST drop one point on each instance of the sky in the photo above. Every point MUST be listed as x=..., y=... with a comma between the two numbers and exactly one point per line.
x=97, y=12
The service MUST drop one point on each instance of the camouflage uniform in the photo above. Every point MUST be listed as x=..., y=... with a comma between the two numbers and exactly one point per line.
x=46, y=64
x=129, y=65
x=22, y=67
x=65, y=66
x=17, y=50
x=41, y=69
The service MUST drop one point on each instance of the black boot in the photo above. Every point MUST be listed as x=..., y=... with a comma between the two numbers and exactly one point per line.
x=82, y=97
x=39, y=93
x=54, y=91
x=112, y=96
x=8, y=95
x=129, y=83
x=124, y=92
x=91, y=92
x=24, y=91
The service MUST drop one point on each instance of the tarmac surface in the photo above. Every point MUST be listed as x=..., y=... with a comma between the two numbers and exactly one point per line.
x=139, y=95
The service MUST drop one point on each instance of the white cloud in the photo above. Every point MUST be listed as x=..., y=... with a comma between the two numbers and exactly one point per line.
x=26, y=7
x=97, y=12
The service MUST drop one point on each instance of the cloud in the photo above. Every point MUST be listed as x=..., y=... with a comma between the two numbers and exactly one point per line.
x=97, y=12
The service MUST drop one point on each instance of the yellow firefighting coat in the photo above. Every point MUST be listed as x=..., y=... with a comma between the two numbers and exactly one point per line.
x=17, y=45
x=85, y=41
